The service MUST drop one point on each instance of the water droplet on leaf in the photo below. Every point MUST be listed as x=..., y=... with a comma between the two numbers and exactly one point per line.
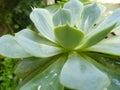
x=39, y=87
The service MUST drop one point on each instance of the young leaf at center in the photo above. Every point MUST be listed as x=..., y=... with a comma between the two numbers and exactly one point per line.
x=67, y=36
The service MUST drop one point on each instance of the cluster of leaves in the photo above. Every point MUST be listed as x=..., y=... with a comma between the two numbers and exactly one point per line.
x=7, y=80
x=67, y=50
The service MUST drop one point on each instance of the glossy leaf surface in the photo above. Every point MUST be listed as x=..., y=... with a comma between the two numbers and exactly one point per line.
x=77, y=73
x=48, y=79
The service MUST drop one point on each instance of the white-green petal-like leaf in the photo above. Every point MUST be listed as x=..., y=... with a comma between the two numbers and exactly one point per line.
x=90, y=15
x=68, y=37
x=37, y=49
x=111, y=19
x=76, y=7
x=61, y=17
x=79, y=74
x=10, y=48
x=96, y=36
x=43, y=22
x=108, y=46
x=48, y=79
x=27, y=33
x=53, y=8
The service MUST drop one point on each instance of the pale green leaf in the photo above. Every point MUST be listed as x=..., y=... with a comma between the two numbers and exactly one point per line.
x=43, y=22
x=61, y=17
x=68, y=37
x=53, y=8
x=37, y=49
x=48, y=79
x=90, y=15
x=26, y=77
x=10, y=48
x=79, y=74
x=108, y=46
x=76, y=7
x=96, y=36
x=32, y=35
x=111, y=19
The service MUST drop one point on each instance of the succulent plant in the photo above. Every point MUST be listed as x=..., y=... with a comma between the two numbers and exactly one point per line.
x=68, y=51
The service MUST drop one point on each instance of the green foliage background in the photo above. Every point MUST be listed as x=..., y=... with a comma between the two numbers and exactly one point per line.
x=14, y=14
x=7, y=80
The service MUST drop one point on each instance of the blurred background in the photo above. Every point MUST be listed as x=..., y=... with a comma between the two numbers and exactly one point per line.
x=14, y=16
